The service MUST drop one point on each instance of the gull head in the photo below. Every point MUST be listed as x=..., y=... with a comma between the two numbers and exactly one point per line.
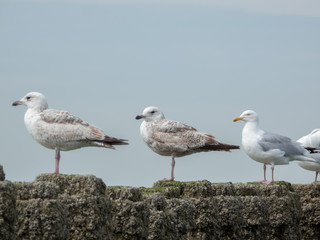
x=247, y=116
x=151, y=114
x=33, y=100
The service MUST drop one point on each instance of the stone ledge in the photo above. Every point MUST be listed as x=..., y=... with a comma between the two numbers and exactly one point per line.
x=82, y=207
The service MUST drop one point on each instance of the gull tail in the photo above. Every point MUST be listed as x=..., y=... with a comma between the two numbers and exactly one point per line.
x=222, y=147
x=313, y=150
x=214, y=145
x=304, y=158
x=108, y=142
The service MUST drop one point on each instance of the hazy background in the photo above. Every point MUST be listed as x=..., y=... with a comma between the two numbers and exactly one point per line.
x=201, y=62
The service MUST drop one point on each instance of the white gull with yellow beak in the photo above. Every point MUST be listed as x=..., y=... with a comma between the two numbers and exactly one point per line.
x=269, y=148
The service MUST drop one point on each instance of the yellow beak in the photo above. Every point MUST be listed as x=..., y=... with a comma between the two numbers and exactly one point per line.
x=237, y=119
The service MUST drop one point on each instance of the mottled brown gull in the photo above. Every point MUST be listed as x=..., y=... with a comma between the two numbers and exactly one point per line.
x=268, y=148
x=175, y=139
x=59, y=130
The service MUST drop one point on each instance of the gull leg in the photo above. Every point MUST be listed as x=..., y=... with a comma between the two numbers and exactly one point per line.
x=272, y=173
x=264, y=174
x=173, y=163
x=315, y=180
x=57, y=158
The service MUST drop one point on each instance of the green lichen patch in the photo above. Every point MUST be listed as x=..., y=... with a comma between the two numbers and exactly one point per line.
x=169, y=184
x=149, y=191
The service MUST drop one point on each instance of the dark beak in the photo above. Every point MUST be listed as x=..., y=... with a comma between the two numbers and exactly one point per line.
x=16, y=103
x=139, y=117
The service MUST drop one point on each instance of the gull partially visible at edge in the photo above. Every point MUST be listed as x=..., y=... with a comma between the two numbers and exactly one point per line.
x=312, y=142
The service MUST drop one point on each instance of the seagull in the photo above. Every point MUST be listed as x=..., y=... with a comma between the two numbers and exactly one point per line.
x=175, y=139
x=268, y=148
x=312, y=141
x=59, y=130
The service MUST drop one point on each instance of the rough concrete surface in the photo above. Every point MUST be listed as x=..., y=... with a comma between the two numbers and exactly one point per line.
x=57, y=206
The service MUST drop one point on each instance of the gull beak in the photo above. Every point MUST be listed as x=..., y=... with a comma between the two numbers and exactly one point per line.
x=237, y=119
x=16, y=103
x=139, y=117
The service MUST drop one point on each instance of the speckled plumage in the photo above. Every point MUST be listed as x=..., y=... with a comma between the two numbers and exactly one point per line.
x=59, y=130
x=168, y=138
x=176, y=139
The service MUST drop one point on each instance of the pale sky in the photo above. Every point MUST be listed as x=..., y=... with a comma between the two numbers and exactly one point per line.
x=201, y=62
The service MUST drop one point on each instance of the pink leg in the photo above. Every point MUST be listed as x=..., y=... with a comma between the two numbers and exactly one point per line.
x=264, y=174
x=57, y=157
x=272, y=171
x=173, y=163
x=315, y=180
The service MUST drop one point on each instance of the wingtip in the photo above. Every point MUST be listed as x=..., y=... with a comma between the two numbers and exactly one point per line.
x=109, y=146
x=233, y=147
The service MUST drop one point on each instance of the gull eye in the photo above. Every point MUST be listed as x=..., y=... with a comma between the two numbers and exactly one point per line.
x=28, y=98
x=152, y=112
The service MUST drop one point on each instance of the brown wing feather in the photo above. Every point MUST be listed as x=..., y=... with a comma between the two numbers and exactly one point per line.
x=85, y=131
x=168, y=126
x=213, y=145
x=191, y=140
x=60, y=117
